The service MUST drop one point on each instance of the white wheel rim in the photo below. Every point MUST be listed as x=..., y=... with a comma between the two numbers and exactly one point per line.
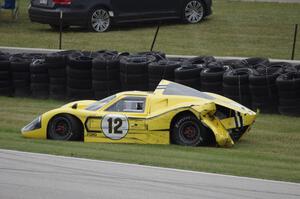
x=100, y=20
x=194, y=12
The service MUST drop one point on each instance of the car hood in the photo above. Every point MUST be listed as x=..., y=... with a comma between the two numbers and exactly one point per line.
x=82, y=104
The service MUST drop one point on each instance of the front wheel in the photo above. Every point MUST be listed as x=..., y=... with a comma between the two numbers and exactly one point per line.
x=65, y=127
x=99, y=20
x=188, y=131
x=193, y=11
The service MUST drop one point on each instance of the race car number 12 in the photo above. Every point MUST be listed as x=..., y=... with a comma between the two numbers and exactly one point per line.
x=114, y=126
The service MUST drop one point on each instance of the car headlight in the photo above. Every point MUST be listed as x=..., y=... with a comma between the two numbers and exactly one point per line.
x=35, y=124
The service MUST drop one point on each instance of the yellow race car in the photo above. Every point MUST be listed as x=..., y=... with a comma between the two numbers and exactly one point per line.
x=173, y=113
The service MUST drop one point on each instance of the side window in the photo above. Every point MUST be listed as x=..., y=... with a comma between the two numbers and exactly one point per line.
x=129, y=104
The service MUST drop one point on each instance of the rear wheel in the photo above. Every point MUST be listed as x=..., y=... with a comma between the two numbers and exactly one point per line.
x=188, y=131
x=99, y=20
x=193, y=11
x=65, y=127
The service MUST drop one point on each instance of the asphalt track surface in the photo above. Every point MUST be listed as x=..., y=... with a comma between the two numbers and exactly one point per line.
x=37, y=176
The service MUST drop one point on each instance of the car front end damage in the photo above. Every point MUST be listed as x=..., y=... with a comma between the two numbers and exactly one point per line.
x=228, y=125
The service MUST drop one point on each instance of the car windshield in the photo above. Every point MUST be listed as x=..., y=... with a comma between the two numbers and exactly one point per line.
x=99, y=104
x=178, y=89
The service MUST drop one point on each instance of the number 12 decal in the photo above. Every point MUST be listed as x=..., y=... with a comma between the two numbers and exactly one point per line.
x=115, y=126
x=116, y=129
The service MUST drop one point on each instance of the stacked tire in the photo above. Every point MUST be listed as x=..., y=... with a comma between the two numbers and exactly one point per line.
x=20, y=68
x=189, y=75
x=106, y=75
x=5, y=76
x=236, y=85
x=289, y=93
x=39, y=79
x=212, y=78
x=134, y=72
x=163, y=69
x=263, y=88
x=57, y=75
x=79, y=77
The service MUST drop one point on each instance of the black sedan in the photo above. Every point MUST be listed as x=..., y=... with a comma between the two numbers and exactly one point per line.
x=98, y=15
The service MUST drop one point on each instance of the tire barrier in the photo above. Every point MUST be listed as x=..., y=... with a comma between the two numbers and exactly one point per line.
x=236, y=85
x=39, y=79
x=134, y=72
x=212, y=77
x=79, y=78
x=163, y=69
x=57, y=70
x=272, y=87
x=105, y=74
x=263, y=87
x=20, y=68
x=5, y=76
x=289, y=93
x=188, y=75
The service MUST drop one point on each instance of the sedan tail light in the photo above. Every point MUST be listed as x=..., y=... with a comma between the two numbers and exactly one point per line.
x=62, y=2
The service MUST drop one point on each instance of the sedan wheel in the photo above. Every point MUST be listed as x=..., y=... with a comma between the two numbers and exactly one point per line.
x=193, y=12
x=100, y=20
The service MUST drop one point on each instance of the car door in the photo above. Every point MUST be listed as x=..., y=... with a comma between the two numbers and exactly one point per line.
x=131, y=9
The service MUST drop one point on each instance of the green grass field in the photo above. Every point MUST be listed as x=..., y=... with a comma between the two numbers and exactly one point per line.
x=235, y=29
x=271, y=150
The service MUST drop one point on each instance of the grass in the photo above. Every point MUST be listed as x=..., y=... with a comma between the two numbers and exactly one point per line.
x=235, y=29
x=270, y=151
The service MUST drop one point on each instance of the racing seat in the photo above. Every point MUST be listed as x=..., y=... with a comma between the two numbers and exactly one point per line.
x=12, y=5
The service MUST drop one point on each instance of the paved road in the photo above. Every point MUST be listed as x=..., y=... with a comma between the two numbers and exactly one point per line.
x=27, y=175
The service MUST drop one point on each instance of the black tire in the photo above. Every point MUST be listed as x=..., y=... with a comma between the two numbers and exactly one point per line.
x=65, y=127
x=39, y=78
x=21, y=83
x=5, y=75
x=193, y=83
x=39, y=87
x=213, y=74
x=75, y=94
x=20, y=65
x=57, y=72
x=58, y=81
x=134, y=79
x=79, y=74
x=6, y=91
x=163, y=69
x=237, y=76
x=236, y=89
x=4, y=64
x=266, y=90
x=186, y=18
x=106, y=85
x=136, y=64
x=289, y=81
x=21, y=76
x=256, y=61
x=187, y=72
x=80, y=62
x=290, y=110
x=106, y=20
x=188, y=131
x=39, y=66
x=102, y=75
x=79, y=83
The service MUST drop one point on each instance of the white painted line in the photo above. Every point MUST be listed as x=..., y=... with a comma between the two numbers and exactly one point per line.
x=151, y=167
